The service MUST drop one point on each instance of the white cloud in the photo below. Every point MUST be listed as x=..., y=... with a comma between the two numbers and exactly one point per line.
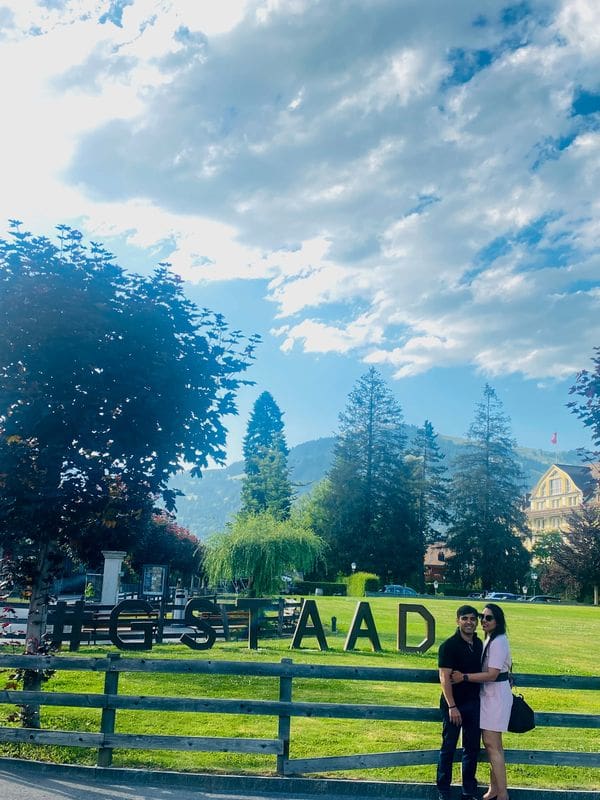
x=410, y=185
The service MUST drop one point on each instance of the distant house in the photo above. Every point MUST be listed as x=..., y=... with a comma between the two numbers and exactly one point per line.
x=435, y=560
x=561, y=490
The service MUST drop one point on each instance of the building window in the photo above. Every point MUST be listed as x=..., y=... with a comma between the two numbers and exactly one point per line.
x=555, y=503
x=541, y=504
x=555, y=486
x=539, y=524
x=555, y=522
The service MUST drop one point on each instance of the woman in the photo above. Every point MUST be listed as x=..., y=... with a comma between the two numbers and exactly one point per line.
x=495, y=697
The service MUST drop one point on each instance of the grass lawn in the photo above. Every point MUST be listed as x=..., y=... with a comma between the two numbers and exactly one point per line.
x=546, y=639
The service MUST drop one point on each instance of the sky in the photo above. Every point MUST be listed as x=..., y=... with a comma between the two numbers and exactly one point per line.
x=405, y=184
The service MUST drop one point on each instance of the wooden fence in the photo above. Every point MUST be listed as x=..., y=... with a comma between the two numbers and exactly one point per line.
x=284, y=709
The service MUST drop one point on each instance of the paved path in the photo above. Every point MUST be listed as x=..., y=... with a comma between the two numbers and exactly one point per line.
x=31, y=786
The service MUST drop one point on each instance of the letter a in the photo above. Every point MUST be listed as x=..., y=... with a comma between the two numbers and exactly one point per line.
x=309, y=610
x=362, y=614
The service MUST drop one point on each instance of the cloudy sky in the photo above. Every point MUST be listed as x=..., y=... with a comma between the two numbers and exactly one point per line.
x=410, y=184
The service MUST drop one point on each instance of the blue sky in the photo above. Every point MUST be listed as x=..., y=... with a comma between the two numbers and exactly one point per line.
x=401, y=183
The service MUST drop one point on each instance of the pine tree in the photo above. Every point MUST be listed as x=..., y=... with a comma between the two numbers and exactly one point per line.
x=578, y=554
x=429, y=482
x=368, y=508
x=488, y=520
x=266, y=486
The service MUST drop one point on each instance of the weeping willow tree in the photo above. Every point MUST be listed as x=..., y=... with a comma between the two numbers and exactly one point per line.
x=260, y=549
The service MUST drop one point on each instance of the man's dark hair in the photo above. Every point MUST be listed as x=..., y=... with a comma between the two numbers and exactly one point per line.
x=462, y=610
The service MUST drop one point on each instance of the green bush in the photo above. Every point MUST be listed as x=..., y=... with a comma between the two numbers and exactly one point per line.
x=308, y=587
x=359, y=583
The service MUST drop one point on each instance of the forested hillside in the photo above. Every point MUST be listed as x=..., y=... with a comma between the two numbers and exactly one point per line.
x=209, y=502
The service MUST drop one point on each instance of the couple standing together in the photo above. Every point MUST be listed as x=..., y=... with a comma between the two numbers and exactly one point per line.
x=476, y=698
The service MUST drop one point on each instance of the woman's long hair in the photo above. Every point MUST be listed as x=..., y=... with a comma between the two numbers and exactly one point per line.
x=500, y=619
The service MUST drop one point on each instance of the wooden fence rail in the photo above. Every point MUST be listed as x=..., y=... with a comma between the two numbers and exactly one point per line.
x=110, y=701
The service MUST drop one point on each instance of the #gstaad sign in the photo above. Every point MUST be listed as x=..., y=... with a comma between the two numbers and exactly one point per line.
x=201, y=619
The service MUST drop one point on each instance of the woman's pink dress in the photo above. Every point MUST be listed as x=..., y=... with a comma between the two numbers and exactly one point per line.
x=496, y=698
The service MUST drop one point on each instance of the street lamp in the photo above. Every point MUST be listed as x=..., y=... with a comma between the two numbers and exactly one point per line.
x=534, y=578
x=353, y=567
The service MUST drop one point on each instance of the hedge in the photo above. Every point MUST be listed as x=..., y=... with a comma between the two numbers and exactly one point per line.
x=359, y=583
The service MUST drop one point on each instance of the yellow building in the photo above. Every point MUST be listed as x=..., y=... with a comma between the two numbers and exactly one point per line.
x=562, y=489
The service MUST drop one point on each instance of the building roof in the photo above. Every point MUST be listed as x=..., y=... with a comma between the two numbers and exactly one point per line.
x=584, y=476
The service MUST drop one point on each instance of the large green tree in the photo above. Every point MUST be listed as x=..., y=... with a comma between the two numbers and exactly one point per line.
x=266, y=486
x=109, y=381
x=261, y=549
x=488, y=521
x=368, y=509
x=429, y=483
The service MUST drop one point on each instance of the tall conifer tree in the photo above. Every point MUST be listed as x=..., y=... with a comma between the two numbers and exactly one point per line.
x=370, y=518
x=429, y=482
x=488, y=520
x=266, y=485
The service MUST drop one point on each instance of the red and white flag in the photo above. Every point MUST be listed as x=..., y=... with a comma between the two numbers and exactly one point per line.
x=554, y=438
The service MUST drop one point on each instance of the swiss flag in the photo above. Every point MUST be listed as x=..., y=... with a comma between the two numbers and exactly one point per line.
x=553, y=439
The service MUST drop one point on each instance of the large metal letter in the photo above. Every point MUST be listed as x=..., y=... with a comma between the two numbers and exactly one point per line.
x=415, y=608
x=146, y=627
x=309, y=611
x=254, y=606
x=193, y=621
x=362, y=614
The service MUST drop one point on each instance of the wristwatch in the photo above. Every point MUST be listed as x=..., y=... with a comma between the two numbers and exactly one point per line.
x=465, y=677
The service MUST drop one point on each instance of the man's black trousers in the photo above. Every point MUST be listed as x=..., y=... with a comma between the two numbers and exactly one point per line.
x=471, y=735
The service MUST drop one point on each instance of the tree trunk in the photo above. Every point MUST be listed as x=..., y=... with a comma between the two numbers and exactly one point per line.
x=36, y=628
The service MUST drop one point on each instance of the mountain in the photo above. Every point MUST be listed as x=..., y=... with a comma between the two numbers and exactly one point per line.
x=209, y=502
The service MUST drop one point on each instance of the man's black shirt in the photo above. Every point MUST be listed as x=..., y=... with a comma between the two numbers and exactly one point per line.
x=456, y=653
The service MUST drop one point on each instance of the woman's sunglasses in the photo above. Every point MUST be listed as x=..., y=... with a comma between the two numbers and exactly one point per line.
x=487, y=617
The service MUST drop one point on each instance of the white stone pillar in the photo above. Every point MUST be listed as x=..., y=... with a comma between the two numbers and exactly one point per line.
x=110, y=580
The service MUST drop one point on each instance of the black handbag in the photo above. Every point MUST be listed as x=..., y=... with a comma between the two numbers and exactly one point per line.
x=522, y=717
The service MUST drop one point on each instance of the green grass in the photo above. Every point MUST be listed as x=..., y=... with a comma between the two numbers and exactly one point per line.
x=544, y=639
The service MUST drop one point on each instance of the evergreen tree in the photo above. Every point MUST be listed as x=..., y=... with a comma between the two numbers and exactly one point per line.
x=488, y=520
x=429, y=483
x=578, y=555
x=367, y=502
x=266, y=486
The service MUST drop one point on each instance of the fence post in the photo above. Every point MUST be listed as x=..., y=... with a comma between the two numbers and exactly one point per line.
x=107, y=721
x=284, y=727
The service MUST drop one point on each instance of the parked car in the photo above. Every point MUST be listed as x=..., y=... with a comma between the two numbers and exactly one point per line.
x=399, y=591
x=502, y=596
x=544, y=598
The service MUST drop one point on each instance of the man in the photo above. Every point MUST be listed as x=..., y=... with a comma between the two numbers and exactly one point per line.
x=459, y=704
